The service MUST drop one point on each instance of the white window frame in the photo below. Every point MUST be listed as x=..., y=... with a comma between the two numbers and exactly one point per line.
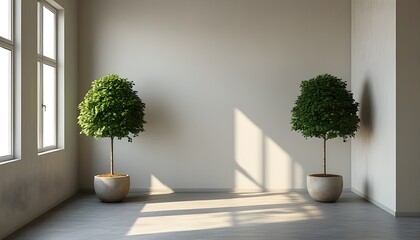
x=9, y=45
x=41, y=59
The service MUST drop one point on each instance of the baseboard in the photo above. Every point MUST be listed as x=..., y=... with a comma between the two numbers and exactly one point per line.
x=380, y=205
x=86, y=190
x=214, y=190
x=407, y=214
x=209, y=190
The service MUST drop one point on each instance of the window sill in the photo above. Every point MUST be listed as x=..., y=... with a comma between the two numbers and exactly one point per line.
x=4, y=162
x=49, y=151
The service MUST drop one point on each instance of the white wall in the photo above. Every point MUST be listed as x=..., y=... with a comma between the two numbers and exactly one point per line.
x=385, y=71
x=373, y=73
x=408, y=112
x=34, y=183
x=219, y=79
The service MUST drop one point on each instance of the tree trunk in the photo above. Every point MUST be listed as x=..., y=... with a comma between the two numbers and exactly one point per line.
x=325, y=156
x=112, y=155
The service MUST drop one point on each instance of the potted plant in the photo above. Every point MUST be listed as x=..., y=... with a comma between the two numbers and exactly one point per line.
x=325, y=109
x=111, y=109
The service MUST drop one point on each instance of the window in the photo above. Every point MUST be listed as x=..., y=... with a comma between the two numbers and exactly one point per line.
x=6, y=80
x=47, y=77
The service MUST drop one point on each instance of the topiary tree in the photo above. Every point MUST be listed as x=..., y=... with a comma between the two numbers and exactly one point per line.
x=111, y=109
x=325, y=109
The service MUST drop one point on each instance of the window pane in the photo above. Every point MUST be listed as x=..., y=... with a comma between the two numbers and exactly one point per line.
x=40, y=109
x=5, y=18
x=48, y=35
x=5, y=102
x=49, y=106
x=38, y=22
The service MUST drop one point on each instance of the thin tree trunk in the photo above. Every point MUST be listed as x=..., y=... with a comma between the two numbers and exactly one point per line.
x=112, y=155
x=325, y=156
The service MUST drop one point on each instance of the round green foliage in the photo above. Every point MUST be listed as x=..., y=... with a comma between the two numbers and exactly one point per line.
x=325, y=109
x=111, y=108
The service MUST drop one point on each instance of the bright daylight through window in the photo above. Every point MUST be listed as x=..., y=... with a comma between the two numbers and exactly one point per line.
x=6, y=76
x=47, y=77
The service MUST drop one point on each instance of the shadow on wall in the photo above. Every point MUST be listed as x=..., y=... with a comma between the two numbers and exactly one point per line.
x=366, y=123
x=160, y=119
x=366, y=112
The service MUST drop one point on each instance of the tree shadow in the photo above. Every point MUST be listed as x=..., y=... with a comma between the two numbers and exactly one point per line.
x=366, y=112
x=366, y=124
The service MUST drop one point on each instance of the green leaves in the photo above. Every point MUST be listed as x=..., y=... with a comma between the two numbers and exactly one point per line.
x=325, y=109
x=111, y=108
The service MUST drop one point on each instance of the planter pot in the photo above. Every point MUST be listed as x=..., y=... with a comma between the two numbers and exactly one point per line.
x=112, y=188
x=324, y=188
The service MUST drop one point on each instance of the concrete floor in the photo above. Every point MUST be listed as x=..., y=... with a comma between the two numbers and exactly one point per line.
x=219, y=216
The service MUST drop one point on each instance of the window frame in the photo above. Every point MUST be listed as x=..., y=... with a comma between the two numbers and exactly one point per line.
x=8, y=44
x=41, y=60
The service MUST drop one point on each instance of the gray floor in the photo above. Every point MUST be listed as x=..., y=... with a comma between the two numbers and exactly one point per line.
x=219, y=216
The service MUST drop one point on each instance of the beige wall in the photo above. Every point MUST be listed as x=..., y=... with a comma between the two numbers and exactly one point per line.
x=373, y=72
x=34, y=183
x=408, y=112
x=219, y=79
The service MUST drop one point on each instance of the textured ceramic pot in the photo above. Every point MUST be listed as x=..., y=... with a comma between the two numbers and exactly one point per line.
x=324, y=188
x=112, y=189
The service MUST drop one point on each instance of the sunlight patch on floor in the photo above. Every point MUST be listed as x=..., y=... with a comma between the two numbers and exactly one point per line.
x=178, y=223
x=276, y=199
x=248, y=210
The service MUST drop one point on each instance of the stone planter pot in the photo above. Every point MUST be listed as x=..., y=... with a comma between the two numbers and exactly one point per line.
x=112, y=188
x=324, y=188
